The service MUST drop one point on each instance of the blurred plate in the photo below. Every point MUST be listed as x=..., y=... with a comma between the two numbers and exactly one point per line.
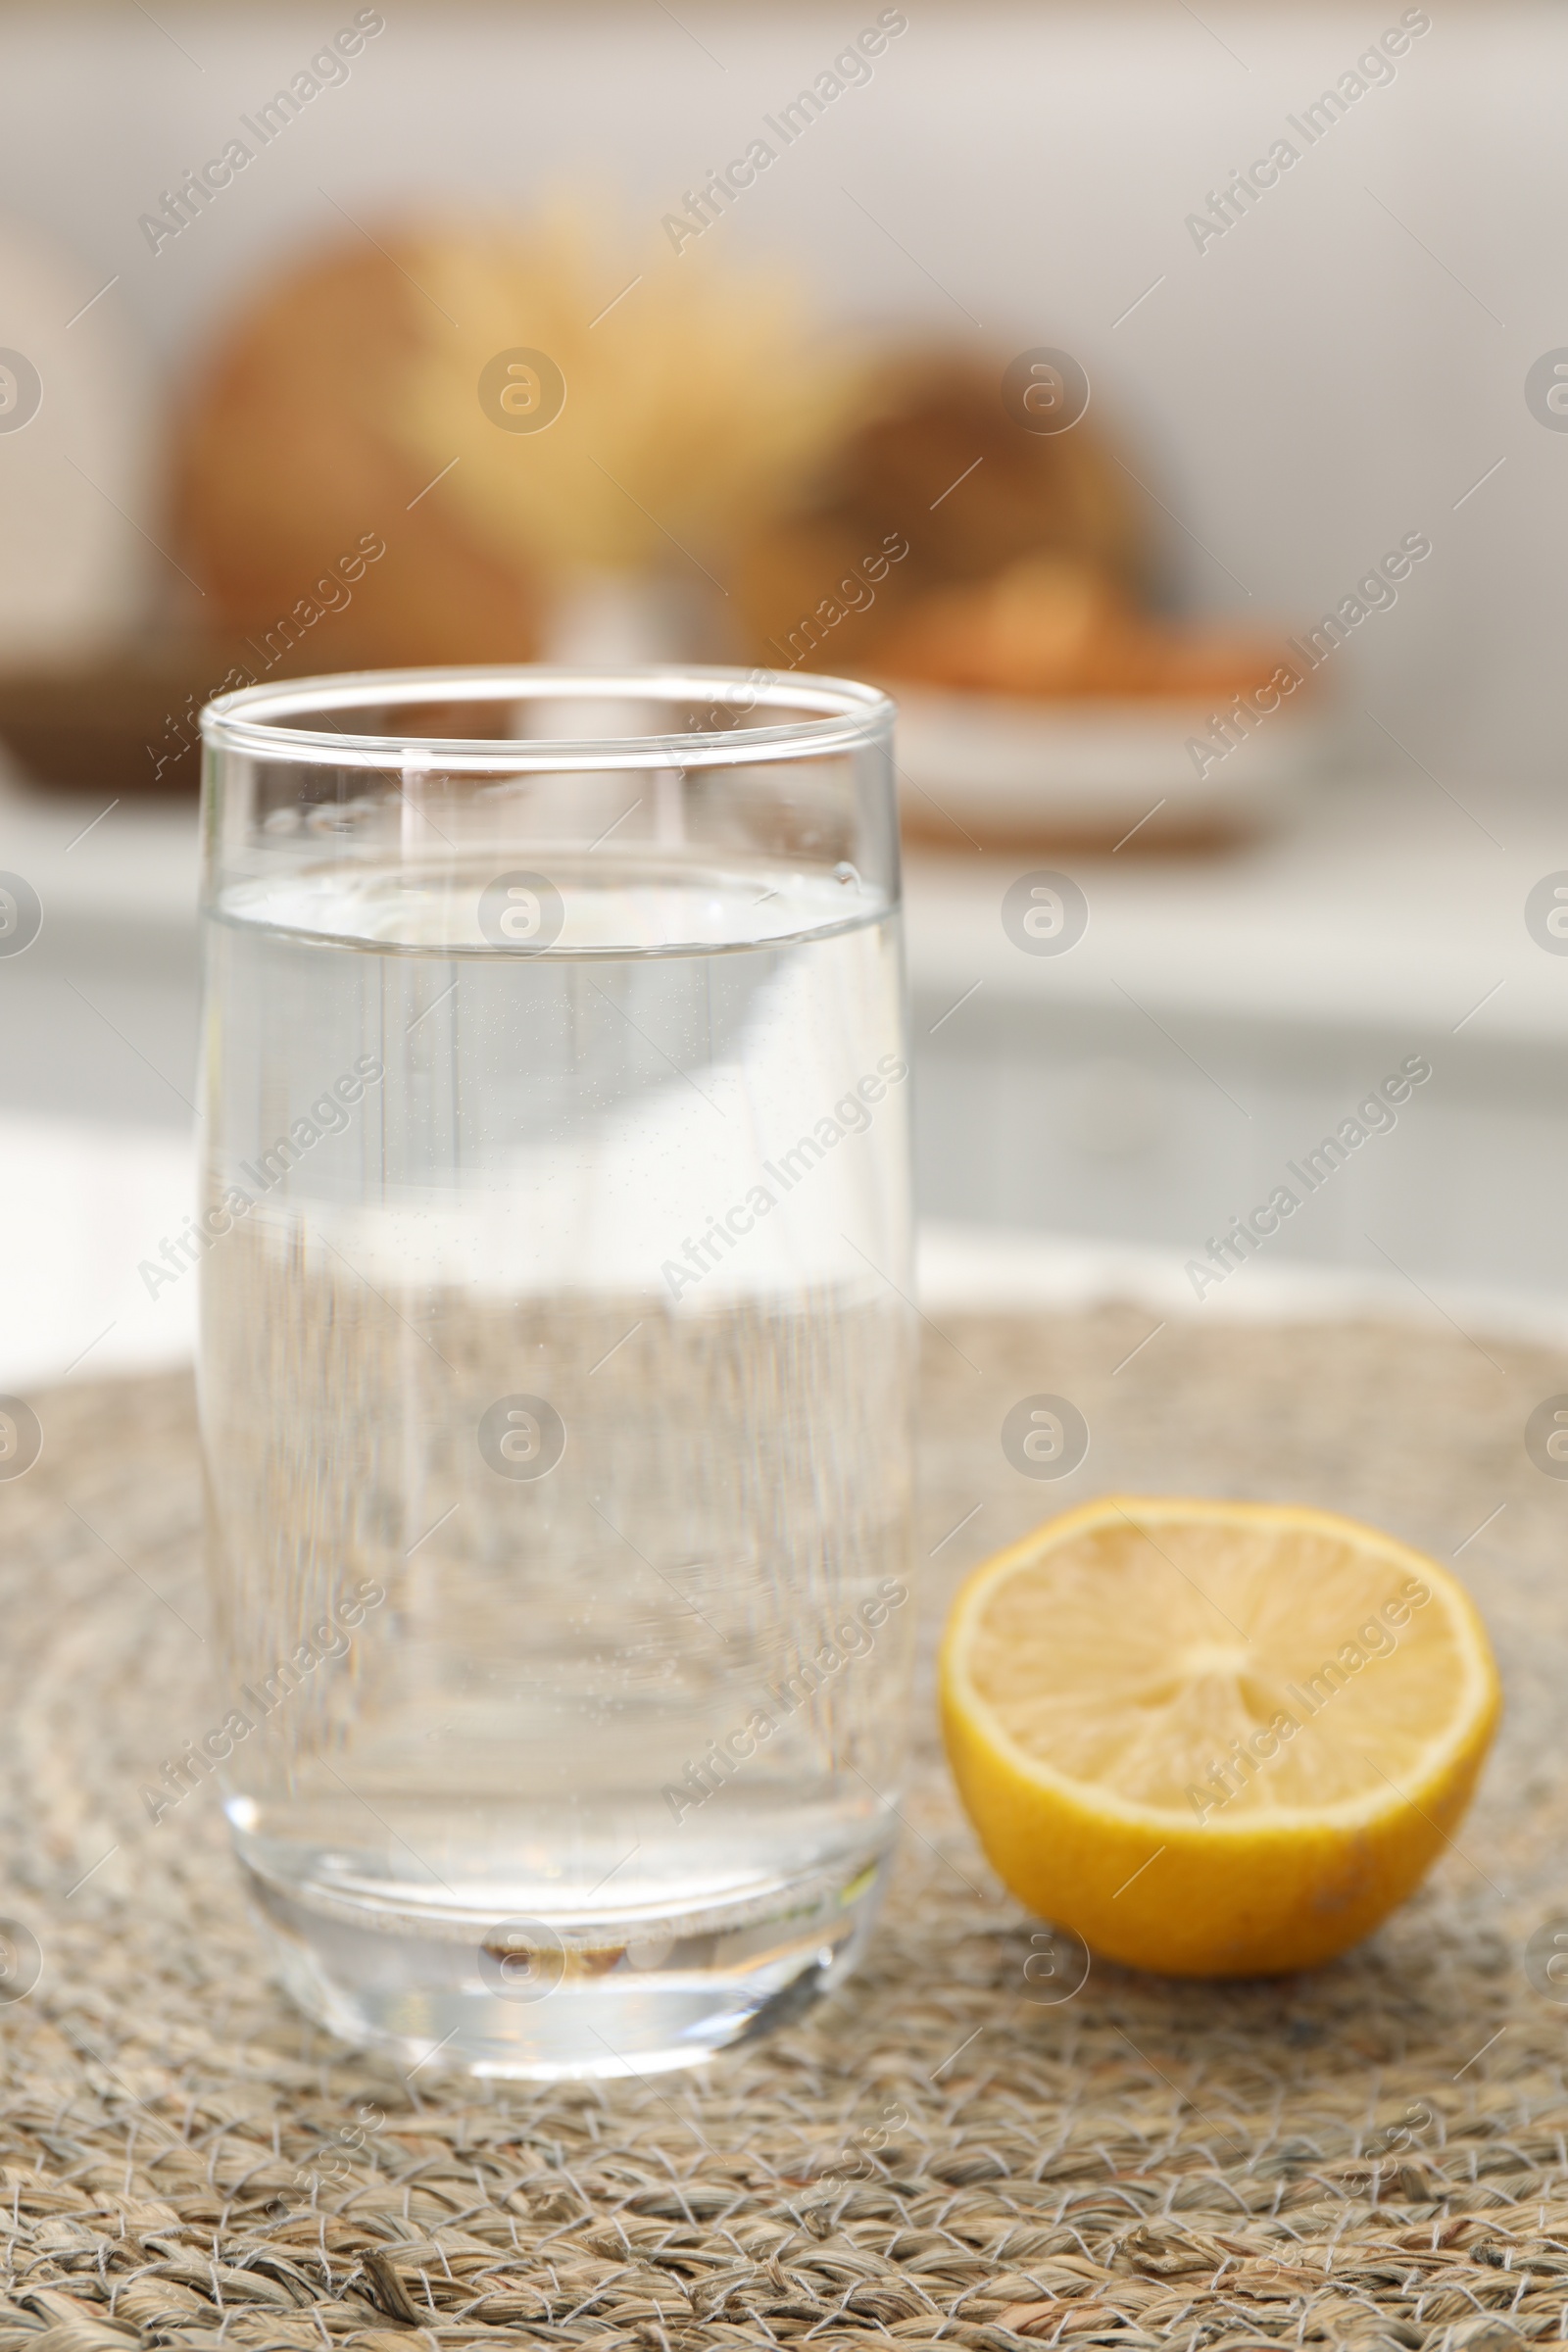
x=77, y=472
x=1080, y=775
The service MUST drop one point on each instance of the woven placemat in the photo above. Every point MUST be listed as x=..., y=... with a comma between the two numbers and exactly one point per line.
x=1373, y=2154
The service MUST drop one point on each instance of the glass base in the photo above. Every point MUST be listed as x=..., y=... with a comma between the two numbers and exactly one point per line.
x=534, y=1999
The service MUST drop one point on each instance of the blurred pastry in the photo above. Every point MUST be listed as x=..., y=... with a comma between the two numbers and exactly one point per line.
x=1051, y=626
x=290, y=454
x=942, y=544
x=935, y=464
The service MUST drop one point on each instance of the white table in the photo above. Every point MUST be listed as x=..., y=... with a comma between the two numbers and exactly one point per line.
x=1101, y=1114
x=1219, y=1017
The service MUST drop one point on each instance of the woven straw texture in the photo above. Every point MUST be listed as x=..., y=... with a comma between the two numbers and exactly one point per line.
x=1373, y=2155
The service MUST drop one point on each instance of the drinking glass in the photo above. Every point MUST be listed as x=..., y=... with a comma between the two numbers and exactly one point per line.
x=556, y=1353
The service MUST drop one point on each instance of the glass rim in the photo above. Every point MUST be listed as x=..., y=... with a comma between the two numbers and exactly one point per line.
x=845, y=716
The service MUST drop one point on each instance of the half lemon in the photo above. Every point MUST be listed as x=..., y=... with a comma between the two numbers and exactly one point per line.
x=1216, y=1738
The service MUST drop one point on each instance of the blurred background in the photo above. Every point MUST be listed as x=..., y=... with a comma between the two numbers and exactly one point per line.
x=1170, y=406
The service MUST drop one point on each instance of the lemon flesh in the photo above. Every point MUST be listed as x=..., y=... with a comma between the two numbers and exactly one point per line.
x=1215, y=1738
